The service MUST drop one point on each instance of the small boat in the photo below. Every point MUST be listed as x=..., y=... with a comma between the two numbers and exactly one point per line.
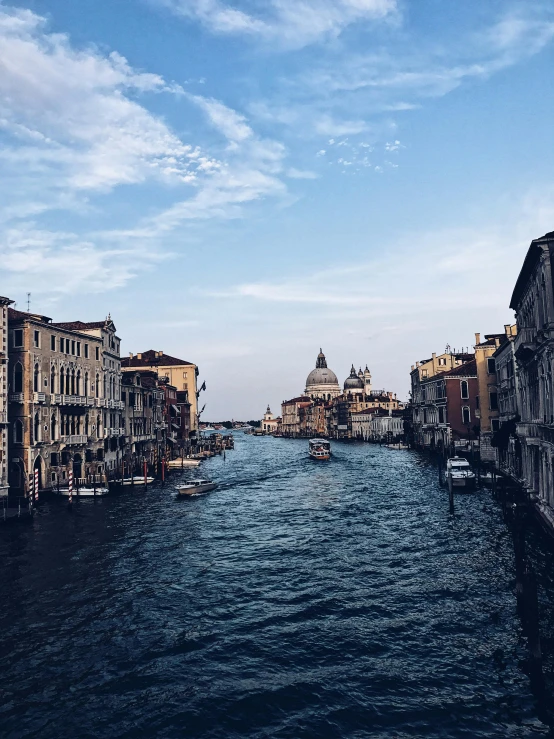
x=84, y=492
x=178, y=463
x=320, y=449
x=136, y=480
x=196, y=487
x=459, y=473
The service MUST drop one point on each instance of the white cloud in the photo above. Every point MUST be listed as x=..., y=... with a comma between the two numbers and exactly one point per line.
x=301, y=174
x=293, y=23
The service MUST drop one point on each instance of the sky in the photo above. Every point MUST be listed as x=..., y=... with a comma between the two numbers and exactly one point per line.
x=239, y=184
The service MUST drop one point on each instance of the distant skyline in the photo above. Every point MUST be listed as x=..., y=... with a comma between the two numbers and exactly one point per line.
x=241, y=183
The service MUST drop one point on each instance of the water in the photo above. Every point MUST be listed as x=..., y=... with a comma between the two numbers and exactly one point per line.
x=300, y=600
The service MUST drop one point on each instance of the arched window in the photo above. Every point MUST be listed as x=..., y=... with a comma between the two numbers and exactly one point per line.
x=53, y=427
x=36, y=379
x=72, y=382
x=36, y=426
x=18, y=431
x=105, y=394
x=466, y=415
x=86, y=389
x=99, y=425
x=73, y=425
x=464, y=389
x=78, y=383
x=18, y=378
x=62, y=381
x=97, y=385
x=53, y=379
x=87, y=425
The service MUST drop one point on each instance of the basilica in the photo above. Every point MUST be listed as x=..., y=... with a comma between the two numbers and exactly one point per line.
x=322, y=383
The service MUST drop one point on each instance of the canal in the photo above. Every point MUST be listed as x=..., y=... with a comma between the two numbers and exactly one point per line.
x=299, y=600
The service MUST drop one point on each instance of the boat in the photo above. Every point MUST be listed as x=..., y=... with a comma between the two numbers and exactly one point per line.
x=136, y=480
x=196, y=487
x=178, y=463
x=84, y=492
x=459, y=473
x=320, y=449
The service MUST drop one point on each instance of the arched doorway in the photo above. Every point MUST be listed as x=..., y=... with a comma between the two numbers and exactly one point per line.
x=39, y=465
x=77, y=466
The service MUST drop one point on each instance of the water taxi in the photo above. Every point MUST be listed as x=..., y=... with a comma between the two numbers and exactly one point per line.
x=459, y=473
x=84, y=492
x=196, y=487
x=180, y=462
x=135, y=480
x=320, y=449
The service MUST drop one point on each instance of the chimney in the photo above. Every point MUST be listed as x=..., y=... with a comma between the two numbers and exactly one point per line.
x=130, y=355
x=477, y=338
x=434, y=355
x=139, y=356
x=507, y=329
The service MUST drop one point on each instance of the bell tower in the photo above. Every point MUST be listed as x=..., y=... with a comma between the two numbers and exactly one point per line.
x=367, y=381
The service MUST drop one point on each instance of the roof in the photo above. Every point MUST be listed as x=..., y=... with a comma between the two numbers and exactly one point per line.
x=529, y=264
x=468, y=369
x=301, y=399
x=152, y=358
x=18, y=315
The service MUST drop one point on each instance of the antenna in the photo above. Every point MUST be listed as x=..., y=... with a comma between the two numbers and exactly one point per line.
x=28, y=302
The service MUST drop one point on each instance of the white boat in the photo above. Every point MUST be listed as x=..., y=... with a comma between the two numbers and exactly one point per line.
x=178, y=463
x=136, y=480
x=320, y=449
x=196, y=487
x=84, y=492
x=459, y=473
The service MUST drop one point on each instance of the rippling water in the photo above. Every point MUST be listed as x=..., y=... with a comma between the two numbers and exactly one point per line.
x=301, y=599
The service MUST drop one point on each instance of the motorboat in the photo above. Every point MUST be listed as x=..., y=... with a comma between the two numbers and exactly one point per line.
x=459, y=473
x=84, y=492
x=320, y=449
x=196, y=487
x=178, y=463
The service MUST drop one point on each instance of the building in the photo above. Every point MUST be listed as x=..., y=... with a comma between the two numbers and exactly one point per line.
x=4, y=429
x=269, y=423
x=487, y=409
x=505, y=440
x=180, y=373
x=293, y=421
x=387, y=426
x=144, y=419
x=57, y=404
x=533, y=302
x=322, y=382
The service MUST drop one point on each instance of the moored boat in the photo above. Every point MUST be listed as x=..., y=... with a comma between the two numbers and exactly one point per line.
x=84, y=492
x=320, y=449
x=178, y=463
x=459, y=473
x=136, y=480
x=196, y=487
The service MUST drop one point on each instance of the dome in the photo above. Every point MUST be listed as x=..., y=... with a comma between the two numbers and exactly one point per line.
x=322, y=382
x=321, y=376
x=354, y=382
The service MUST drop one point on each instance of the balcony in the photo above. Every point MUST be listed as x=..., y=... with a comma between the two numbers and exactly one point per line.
x=16, y=397
x=525, y=344
x=74, y=439
x=101, y=402
x=73, y=400
x=39, y=397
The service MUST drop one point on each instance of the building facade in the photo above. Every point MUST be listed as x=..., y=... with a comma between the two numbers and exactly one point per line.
x=269, y=423
x=505, y=440
x=4, y=426
x=487, y=410
x=533, y=302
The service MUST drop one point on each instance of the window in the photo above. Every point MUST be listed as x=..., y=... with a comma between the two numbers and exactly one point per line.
x=78, y=348
x=491, y=365
x=97, y=352
x=441, y=415
x=36, y=379
x=466, y=416
x=495, y=425
x=477, y=401
x=53, y=380
x=493, y=400
x=86, y=351
x=18, y=432
x=185, y=375
x=67, y=346
x=18, y=378
x=18, y=337
x=464, y=389
x=424, y=373
x=36, y=339
x=442, y=361
x=53, y=343
x=73, y=347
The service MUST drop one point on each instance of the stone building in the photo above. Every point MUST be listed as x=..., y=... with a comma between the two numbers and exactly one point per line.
x=56, y=400
x=144, y=419
x=269, y=423
x=180, y=373
x=4, y=428
x=322, y=382
x=487, y=409
x=505, y=440
x=533, y=302
x=293, y=422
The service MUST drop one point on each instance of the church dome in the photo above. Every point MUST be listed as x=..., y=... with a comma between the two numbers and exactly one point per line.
x=354, y=382
x=322, y=382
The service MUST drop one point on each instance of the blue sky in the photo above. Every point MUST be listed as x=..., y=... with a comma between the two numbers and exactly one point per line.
x=240, y=184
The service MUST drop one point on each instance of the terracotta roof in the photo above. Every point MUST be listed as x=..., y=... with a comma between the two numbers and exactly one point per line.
x=301, y=399
x=15, y=315
x=468, y=369
x=79, y=325
x=152, y=358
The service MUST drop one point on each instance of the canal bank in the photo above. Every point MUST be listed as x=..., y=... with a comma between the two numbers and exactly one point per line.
x=300, y=599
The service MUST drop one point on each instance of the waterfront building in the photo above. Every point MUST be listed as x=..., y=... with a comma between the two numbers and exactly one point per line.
x=322, y=382
x=4, y=429
x=293, y=422
x=183, y=404
x=56, y=399
x=487, y=399
x=180, y=373
x=144, y=404
x=505, y=440
x=533, y=302
x=269, y=423
x=387, y=426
